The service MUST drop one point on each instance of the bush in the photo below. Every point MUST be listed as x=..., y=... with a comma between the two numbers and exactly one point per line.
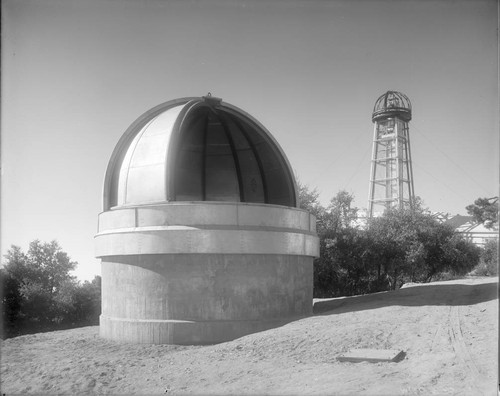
x=488, y=264
x=404, y=245
x=39, y=294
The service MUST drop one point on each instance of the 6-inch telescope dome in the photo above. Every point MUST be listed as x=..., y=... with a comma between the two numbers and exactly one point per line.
x=200, y=239
x=392, y=104
x=198, y=149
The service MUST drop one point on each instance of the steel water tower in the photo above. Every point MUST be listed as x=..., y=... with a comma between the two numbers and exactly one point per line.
x=391, y=176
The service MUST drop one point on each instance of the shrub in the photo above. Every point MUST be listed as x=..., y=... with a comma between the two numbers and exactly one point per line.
x=488, y=264
x=39, y=294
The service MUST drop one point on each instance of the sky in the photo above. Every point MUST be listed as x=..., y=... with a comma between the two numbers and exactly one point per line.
x=76, y=74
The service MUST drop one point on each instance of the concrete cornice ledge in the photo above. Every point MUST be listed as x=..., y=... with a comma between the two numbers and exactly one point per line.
x=207, y=228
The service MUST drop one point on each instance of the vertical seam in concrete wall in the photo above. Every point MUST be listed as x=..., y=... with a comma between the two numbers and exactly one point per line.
x=304, y=240
x=238, y=226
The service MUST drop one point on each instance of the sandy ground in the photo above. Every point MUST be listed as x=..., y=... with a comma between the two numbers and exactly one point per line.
x=448, y=330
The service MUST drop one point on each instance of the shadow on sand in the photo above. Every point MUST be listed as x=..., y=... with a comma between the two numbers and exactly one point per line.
x=439, y=294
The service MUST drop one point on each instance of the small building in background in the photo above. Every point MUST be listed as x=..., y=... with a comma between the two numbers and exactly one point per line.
x=465, y=225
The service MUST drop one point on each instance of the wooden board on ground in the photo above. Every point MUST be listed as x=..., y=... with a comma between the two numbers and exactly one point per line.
x=372, y=355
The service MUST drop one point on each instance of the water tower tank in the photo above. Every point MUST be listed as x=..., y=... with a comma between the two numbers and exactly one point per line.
x=201, y=239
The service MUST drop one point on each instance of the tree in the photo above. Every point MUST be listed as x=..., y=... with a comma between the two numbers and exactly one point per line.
x=392, y=236
x=341, y=209
x=484, y=211
x=403, y=245
x=11, y=302
x=410, y=245
x=87, y=305
x=343, y=260
x=462, y=255
x=32, y=285
x=309, y=200
x=488, y=265
x=337, y=271
x=44, y=264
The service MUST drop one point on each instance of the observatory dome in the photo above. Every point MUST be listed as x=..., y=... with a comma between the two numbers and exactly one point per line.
x=198, y=149
x=392, y=104
x=201, y=240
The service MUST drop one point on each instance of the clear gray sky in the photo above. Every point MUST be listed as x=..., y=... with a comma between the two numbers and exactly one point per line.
x=76, y=74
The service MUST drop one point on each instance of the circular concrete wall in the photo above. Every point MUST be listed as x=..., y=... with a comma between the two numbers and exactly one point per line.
x=203, y=272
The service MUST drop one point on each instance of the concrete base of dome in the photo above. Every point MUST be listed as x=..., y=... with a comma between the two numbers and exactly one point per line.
x=201, y=273
x=201, y=299
x=181, y=332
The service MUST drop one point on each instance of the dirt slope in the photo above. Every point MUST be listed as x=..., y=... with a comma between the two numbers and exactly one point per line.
x=448, y=331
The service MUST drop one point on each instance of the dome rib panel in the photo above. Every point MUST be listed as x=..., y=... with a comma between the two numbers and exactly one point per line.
x=145, y=174
x=110, y=185
x=173, y=148
x=252, y=175
x=124, y=169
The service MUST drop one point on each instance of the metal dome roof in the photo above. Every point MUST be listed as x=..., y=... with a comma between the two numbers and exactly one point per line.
x=198, y=149
x=392, y=104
